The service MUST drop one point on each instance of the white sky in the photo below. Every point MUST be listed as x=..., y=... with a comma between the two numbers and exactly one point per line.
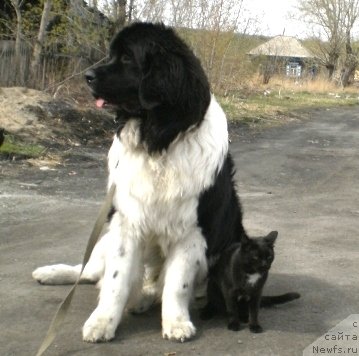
x=274, y=16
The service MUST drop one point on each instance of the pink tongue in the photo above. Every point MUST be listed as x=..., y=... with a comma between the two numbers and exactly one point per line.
x=100, y=102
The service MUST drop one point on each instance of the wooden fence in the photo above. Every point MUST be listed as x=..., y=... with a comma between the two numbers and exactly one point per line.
x=9, y=76
x=54, y=68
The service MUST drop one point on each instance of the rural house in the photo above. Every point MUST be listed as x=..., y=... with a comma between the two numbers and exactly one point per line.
x=284, y=55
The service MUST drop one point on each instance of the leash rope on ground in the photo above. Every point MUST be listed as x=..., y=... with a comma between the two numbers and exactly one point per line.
x=64, y=306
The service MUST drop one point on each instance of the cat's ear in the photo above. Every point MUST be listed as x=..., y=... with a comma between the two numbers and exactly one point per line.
x=271, y=237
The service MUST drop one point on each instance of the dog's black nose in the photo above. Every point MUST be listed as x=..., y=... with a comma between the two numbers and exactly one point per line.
x=90, y=76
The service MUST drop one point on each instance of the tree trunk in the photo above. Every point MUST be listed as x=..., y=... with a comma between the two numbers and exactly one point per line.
x=332, y=62
x=351, y=62
x=268, y=69
x=36, y=55
x=130, y=10
x=19, y=75
x=348, y=74
x=119, y=13
x=331, y=69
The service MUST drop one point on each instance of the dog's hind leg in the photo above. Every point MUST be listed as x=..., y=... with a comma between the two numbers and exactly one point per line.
x=66, y=274
x=149, y=289
x=184, y=262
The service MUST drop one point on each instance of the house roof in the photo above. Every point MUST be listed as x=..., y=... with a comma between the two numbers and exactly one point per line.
x=282, y=46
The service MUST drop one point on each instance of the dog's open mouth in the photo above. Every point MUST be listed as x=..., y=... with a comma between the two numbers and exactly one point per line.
x=131, y=106
x=101, y=103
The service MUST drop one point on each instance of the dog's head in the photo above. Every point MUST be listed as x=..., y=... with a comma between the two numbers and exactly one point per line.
x=154, y=76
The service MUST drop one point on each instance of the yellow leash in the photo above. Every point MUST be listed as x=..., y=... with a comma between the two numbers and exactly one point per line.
x=64, y=306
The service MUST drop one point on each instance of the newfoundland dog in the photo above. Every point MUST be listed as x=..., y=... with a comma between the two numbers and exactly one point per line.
x=175, y=203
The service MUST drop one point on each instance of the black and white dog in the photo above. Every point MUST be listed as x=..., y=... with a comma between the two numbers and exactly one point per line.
x=176, y=206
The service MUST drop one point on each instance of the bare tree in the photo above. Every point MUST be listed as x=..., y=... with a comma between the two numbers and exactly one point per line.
x=131, y=8
x=210, y=26
x=351, y=61
x=93, y=3
x=335, y=20
x=17, y=4
x=221, y=22
x=150, y=11
x=36, y=56
x=119, y=13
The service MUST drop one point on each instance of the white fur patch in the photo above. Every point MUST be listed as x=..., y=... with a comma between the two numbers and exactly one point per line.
x=253, y=278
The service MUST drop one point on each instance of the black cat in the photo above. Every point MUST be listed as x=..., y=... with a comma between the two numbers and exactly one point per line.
x=237, y=279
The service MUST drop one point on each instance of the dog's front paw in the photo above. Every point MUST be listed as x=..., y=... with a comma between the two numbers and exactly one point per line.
x=99, y=328
x=178, y=331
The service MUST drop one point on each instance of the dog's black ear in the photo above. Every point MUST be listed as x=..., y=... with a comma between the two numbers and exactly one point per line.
x=162, y=77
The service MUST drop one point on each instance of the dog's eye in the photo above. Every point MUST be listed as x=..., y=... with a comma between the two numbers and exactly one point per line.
x=126, y=59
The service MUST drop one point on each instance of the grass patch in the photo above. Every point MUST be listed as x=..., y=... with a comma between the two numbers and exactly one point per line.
x=271, y=105
x=13, y=147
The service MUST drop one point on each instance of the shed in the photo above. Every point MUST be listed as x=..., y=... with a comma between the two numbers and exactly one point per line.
x=286, y=51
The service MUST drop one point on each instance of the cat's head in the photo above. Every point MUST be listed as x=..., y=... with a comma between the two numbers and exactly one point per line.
x=257, y=254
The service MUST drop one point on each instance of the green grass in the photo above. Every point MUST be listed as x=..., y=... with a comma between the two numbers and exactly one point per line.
x=276, y=106
x=14, y=147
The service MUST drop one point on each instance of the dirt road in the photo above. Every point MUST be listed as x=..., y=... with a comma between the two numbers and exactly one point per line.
x=301, y=179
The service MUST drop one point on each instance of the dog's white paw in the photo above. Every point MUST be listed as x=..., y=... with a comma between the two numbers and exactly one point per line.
x=178, y=331
x=56, y=274
x=99, y=328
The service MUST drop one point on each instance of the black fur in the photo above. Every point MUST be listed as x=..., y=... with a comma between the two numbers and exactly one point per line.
x=154, y=76
x=229, y=286
x=219, y=212
x=270, y=300
x=229, y=281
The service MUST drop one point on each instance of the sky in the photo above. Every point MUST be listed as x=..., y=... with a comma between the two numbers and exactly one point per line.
x=278, y=17
x=274, y=16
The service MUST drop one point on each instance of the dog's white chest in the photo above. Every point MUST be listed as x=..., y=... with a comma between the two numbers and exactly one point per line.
x=150, y=179
x=159, y=193
x=156, y=194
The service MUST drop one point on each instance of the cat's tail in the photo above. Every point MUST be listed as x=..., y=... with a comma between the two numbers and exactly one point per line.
x=268, y=301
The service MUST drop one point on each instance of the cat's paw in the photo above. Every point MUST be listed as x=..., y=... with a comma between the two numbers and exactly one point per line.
x=255, y=328
x=233, y=325
x=98, y=328
x=178, y=331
